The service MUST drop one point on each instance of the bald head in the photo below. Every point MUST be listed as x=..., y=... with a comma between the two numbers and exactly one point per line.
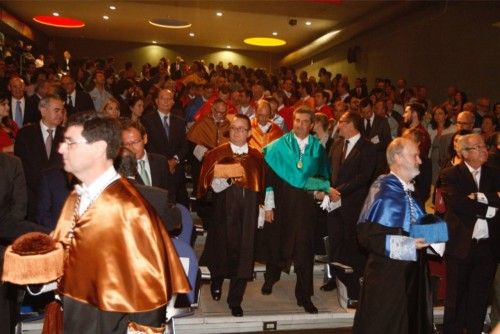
x=465, y=121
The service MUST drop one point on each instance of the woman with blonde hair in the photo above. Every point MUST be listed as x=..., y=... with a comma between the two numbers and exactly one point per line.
x=111, y=108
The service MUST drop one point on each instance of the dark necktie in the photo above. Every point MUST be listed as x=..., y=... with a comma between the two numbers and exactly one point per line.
x=18, y=116
x=344, y=151
x=49, y=141
x=70, y=101
x=368, y=127
x=166, y=126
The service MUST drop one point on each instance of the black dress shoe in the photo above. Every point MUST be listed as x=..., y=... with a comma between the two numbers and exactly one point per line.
x=216, y=292
x=267, y=288
x=329, y=286
x=236, y=311
x=308, y=306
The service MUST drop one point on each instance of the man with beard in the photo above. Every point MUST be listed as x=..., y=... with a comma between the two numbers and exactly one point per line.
x=394, y=297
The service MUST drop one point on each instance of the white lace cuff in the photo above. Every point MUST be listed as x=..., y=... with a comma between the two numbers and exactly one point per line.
x=220, y=184
x=399, y=247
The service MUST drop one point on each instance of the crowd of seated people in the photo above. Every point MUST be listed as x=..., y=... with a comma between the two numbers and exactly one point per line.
x=177, y=112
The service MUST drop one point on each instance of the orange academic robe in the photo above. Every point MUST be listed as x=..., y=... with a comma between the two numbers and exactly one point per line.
x=121, y=258
x=260, y=139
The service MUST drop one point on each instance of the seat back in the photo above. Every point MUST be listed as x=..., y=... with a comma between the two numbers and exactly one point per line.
x=187, y=224
x=190, y=264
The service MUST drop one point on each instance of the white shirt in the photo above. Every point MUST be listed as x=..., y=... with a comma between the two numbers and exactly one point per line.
x=302, y=143
x=481, y=230
x=352, y=141
x=239, y=149
x=89, y=193
x=371, y=120
x=45, y=133
x=162, y=115
x=14, y=106
x=73, y=98
x=265, y=128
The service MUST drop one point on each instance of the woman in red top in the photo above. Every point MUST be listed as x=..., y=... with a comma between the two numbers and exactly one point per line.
x=8, y=128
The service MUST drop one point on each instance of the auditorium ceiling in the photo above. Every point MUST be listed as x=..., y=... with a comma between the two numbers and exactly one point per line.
x=238, y=19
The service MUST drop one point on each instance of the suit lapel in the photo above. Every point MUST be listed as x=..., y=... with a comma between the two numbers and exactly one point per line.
x=336, y=157
x=467, y=177
x=354, y=152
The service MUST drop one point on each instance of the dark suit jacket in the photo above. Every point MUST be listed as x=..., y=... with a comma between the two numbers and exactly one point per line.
x=159, y=171
x=53, y=190
x=32, y=109
x=13, y=201
x=30, y=147
x=380, y=128
x=30, y=113
x=158, y=199
x=461, y=211
x=353, y=177
x=83, y=102
x=176, y=144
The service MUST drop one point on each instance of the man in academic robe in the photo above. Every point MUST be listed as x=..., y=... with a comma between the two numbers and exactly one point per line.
x=207, y=133
x=121, y=266
x=353, y=166
x=296, y=165
x=395, y=296
x=263, y=130
x=235, y=172
x=472, y=197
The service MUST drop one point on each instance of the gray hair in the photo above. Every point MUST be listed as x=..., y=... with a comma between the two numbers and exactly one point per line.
x=44, y=103
x=463, y=142
x=396, y=147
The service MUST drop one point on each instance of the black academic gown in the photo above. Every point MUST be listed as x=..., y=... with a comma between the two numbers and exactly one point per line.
x=395, y=296
x=230, y=242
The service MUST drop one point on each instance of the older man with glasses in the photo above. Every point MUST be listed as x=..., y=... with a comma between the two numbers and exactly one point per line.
x=472, y=195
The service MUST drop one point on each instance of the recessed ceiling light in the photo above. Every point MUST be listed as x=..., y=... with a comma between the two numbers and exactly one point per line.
x=155, y=42
x=59, y=21
x=170, y=23
x=112, y=7
x=308, y=23
x=264, y=41
x=55, y=13
x=275, y=33
x=191, y=34
x=219, y=13
x=106, y=17
x=228, y=46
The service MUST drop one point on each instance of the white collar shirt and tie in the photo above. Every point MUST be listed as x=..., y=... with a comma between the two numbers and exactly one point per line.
x=18, y=108
x=351, y=143
x=165, y=121
x=48, y=137
x=144, y=170
x=70, y=99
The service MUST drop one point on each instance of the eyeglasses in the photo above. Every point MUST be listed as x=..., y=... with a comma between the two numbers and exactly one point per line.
x=71, y=143
x=464, y=123
x=477, y=148
x=238, y=129
x=132, y=143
